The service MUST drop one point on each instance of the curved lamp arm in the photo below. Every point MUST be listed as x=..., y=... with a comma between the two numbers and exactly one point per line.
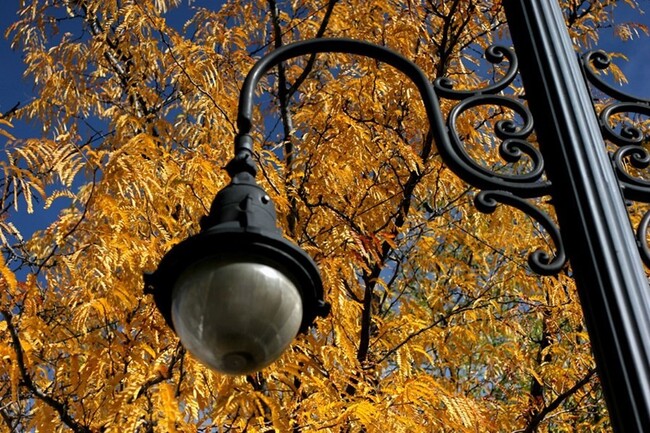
x=331, y=45
x=244, y=143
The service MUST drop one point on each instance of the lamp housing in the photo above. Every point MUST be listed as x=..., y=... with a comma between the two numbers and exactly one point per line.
x=238, y=292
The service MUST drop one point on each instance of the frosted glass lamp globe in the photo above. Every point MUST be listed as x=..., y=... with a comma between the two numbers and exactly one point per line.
x=236, y=317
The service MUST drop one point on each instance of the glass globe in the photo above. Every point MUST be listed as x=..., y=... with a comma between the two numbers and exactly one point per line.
x=236, y=317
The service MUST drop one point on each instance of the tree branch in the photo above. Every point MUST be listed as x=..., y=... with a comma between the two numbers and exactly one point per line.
x=539, y=417
x=177, y=356
x=59, y=407
x=287, y=121
x=310, y=63
x=10, y=112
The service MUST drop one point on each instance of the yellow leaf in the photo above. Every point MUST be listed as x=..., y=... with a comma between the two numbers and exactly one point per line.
x=7, y=274
x=169, y=407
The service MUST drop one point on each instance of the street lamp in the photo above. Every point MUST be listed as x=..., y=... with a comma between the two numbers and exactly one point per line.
x=238, y=292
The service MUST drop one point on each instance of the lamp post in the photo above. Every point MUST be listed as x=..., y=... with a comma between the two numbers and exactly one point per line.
x=238, y=292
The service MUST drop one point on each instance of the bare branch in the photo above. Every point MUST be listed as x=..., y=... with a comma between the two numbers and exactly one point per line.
x=59, y=407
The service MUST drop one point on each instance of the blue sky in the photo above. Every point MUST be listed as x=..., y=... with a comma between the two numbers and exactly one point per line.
x=637, y=68
x=14, y=88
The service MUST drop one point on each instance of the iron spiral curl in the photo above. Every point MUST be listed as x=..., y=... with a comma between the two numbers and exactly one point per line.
x=628, y=134
x=634, y=187
x=513, y=148
x=495, y=54
x=600, y=60
x=539, y=260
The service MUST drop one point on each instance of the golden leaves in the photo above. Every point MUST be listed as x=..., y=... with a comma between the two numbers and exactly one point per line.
x=8, y=277
x=19, y=181
x=364, y=411
x=140, y=115
x=465, y=413
x=5, y=132
x=629, y=31
x=169, y=407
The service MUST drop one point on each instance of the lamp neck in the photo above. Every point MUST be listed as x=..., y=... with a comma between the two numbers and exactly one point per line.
x=243, y=161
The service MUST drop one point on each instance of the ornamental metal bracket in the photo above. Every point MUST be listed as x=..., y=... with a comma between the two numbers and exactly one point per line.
x=510, y=184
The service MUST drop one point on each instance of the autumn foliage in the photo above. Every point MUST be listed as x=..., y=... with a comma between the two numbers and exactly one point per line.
x=437, y=322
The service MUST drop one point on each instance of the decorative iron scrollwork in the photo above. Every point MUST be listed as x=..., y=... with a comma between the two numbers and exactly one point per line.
x=512, y=149
x=521, y=176
x=494, y=54
x=629, y=135
x=612, y=115
x=539, y=261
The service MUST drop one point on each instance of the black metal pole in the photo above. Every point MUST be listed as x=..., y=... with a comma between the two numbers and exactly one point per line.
x=611, y=280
